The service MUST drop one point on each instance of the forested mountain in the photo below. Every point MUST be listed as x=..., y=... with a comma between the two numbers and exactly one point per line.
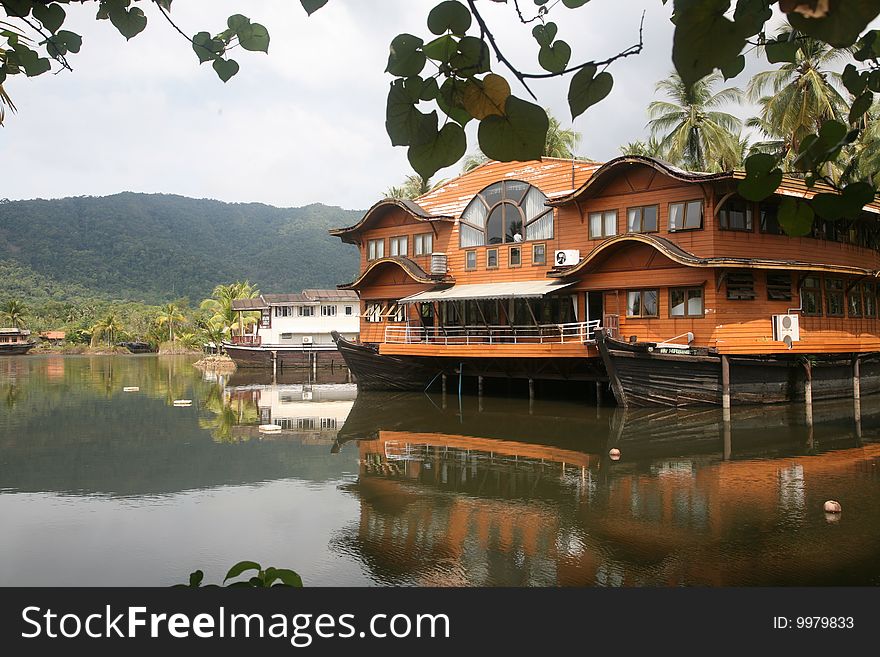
x=158, y=247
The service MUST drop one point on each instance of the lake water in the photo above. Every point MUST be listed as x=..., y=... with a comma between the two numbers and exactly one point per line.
x=99, y=486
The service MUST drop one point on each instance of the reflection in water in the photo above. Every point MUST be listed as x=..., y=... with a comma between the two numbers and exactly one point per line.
x=102, y=486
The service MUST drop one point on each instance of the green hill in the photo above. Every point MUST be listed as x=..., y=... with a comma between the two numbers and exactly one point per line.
x=158, y=247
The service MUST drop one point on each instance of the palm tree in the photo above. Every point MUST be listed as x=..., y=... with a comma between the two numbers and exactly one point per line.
x=5, y=101
x=560, y=142
x=220, y=305
x=693, y=132
x=473, y=160
x=14, y=312
x=797, y=97
x=864, y=154
x=170, y=313
x=649, y=148
x=107, y=327
x=413, y=187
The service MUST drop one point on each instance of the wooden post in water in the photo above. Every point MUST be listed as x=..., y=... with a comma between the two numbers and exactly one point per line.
x=480, y=386
x=857, y=397
x=531, y=395
x=808, y=392
x=725, y=384
x=443, y=389
x=274, y=363
x=598, y=394
x=315, y=364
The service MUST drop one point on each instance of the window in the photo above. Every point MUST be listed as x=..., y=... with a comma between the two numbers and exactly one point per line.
x=854, y=301
x=373, y=313
x=740, y=285
x=265, y=318
x=508, y=211
x=328, y=422
x=283, y=311
x=869, y=295
x=375, y=249
x=811, y=296
x=643, y=219
x=423, y=244
x=491, y=258
x=778, y=286
x=514, y=257
x=539, y=254
x=394, y=312
x=348, y=311
x=470, y=260
x=399, y=246
x=306, y=311
x=735, y=214
x=833, y=297
x=642, y=303
x=769, y=221
x=328, y=311
x=686, y=216
x=603, y=224
x=686, y=302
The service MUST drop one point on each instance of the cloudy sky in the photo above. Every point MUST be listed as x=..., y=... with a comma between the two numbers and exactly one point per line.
x=304, y=124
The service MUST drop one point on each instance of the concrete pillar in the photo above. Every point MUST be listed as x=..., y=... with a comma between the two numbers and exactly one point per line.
x=808, y=393
x=725, y=383
x=274, y=363
x=857, y=398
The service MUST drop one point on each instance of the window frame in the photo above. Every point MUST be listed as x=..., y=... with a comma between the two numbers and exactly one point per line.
x=777, y=286
x=603, y=223
x=373, y=253
x=816, y=290
x=326, y=310
x=686, y=290
x=762, y=223
x=419, y=244
x=641, y=209
x=749, y=216
x=855, y=292
x=467, y=265
x=543, y=261
x=829, y=291
x=493, y=250
x=510, y=262
x=869, y=291
x=641, y=293
x=487, y=201
x=301, y=312
x=685, y=205
x=373, y=312
x=395, y=242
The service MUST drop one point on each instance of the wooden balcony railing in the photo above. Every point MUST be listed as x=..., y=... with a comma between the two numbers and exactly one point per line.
x=457, y=335
x=249, y=340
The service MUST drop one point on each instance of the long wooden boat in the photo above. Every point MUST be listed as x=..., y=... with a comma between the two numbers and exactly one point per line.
x=375, y=371
x=15, y=341
x=652, y=374
x=284, y=356
x=510, y=270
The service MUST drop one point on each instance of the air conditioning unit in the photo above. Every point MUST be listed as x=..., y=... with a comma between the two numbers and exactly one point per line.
x=567, y=257
x=786, y=328
x=307, y=339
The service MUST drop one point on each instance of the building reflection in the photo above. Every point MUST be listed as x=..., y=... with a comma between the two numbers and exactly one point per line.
x=462, y=505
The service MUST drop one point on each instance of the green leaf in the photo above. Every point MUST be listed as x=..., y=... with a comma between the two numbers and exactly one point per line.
x=195, y=578
x=734, y=67
x=832, y=133
x=405, y=57
x=843, y=23
x=874, y=81
x=586, y=90
x=29, y=60
x=18, y=8
x=554, y=58
x=846, y=205
x=205, y=47
x=544, y=34
x=241, y=567
x=795, y=217
x=71, y=40
x=751, y=15
x=289, y=577
x=763, y=177
x=518, y=135
x=441, y=49
x=311, y=6
x=472, y=57
x=574, y=4
x=782, y=51
x=129, y=22
x=450, y=15
x=868, y=47
x=237, y=22
x=254, y=37
x=404, y=123
x=854, y=81
x=430, y=90
x=704, y=38
x=447, y=148
x=51, y=16
x=225, y=68
x=860, y=106
x=450, y=100
x=482, y=98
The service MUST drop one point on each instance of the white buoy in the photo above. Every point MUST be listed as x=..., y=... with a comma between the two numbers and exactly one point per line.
x=614, y=454
x=833, y=506
x=269, y=428
x=183, y=402
x=130, y=389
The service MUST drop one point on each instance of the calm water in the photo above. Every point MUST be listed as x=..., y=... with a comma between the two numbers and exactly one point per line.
x=104, y=487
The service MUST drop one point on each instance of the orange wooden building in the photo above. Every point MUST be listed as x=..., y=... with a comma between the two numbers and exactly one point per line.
x=512, y=269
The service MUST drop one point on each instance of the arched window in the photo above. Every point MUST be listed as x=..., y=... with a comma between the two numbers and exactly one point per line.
x=508, y=211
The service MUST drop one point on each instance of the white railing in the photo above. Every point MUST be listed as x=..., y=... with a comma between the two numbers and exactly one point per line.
x=476, y=335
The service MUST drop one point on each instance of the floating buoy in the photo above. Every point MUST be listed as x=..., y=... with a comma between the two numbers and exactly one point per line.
x=614, y=454
x=833, y=506
x=130, y=389
x=183, y=402
x=269, y=428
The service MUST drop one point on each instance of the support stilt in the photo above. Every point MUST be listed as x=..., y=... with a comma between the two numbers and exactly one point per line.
x=808, y=393
x=857, y=397
x=725, y=384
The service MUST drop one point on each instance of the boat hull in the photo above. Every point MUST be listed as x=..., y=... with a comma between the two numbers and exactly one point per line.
x=287, y=357
x=642, y=375
x=16, y=349
x=375, y=371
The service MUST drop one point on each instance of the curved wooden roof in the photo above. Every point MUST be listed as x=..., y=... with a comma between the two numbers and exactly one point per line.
x=413, y=270
x=416, y=211
x=682, y=257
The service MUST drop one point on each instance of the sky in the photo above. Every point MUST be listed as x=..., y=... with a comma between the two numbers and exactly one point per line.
x=303, y=124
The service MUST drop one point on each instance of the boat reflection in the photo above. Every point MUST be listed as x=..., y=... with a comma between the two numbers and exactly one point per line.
x=459, y=496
